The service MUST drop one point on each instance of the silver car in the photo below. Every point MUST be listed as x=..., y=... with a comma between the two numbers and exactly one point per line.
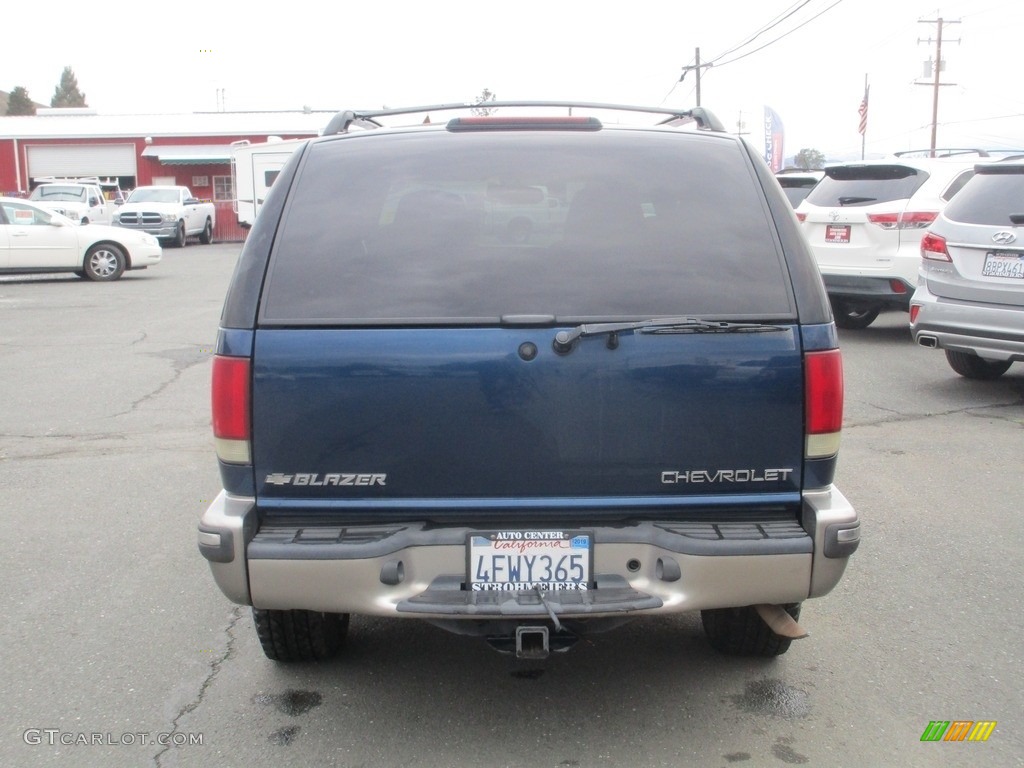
x=970, y=295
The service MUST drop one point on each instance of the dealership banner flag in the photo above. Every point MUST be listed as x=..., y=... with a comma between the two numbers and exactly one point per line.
x=773, y=139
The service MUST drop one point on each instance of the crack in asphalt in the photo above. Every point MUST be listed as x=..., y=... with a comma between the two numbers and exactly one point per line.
x=17, y=446
x=65, y=436
x=215, y=667
x=973, y=410
x=181, y=361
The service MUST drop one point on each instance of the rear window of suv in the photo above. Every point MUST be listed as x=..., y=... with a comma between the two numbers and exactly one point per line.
x=435, y=227
x=992, y=197
x=866, y=185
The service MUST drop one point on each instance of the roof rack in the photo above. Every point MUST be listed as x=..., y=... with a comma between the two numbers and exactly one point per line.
x=107, y=182
x=342, y=121
x=947, y=152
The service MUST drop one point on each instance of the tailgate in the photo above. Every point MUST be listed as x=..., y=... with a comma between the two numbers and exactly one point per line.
x=449, y=418
x=845, y=239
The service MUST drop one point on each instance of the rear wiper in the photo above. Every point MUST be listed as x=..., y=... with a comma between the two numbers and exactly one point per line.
x=564, y=340
x=852, y=200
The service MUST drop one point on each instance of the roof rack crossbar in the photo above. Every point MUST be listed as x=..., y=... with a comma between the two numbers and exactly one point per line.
x=944, y=152
x=705, y=119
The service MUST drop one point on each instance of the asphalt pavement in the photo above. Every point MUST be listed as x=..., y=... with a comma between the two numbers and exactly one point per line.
x=118, y=649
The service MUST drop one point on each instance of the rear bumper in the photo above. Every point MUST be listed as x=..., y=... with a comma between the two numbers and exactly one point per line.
x=413, y=570
x=888, y=291
x=991, y=331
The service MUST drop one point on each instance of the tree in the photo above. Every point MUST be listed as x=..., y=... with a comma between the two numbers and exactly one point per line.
x=19, y=103
x=67, y=94
x=484, y=97
x=810, y=159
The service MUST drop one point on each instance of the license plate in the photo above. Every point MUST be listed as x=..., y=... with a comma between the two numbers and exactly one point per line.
x=514, y=561
x=837, y=233
x=1004, y=264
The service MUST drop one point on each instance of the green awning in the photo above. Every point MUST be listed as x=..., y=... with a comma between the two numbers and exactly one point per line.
x=190, y=154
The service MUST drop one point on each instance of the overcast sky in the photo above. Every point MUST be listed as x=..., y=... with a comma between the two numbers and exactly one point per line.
x=136, y=57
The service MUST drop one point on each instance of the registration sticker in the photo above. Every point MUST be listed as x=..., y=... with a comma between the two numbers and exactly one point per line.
x=837, y=233
x=1004, y=264
x=512, y=561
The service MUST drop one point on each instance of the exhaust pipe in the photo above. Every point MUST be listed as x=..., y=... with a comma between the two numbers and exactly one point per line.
x=780, y=622
x=926, y=340
x=532, y=643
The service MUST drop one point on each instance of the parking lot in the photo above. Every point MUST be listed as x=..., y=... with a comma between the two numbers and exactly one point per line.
x=120, y=650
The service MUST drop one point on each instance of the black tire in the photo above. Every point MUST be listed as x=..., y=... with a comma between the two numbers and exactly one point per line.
x=742, y=632
x=300, y=635
x=104, y=262
x=85, y=220
x=974, y=367
x=206, y=236
x=853, y=315
x=180, y=238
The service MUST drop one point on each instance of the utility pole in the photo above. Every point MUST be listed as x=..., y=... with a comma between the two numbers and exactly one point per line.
x=937, y=72
x=697, y=67
x=740, y=125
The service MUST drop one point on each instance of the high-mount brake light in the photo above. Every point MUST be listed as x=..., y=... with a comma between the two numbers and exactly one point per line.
x=563, y=123
x=905, y=220
x=823, y=382
x=933, y=248
x=232, y=429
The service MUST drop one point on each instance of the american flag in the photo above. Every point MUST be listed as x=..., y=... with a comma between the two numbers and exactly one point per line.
x=863, y=112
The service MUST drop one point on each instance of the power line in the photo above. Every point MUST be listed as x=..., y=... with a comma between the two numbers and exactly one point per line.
x=780, y=37
x=771, y=25
x=697, y=67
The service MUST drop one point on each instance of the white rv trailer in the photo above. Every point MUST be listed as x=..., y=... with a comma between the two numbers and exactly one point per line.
x=254, y=168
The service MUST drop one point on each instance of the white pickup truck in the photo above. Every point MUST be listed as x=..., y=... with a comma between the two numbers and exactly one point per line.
x=172, y=214
x=82, y=202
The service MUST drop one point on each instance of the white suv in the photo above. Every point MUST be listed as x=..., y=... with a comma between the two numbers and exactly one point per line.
x=864, y=222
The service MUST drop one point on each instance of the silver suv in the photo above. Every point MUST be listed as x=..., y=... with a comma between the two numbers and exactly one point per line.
x=970, y=296
x=864, y=222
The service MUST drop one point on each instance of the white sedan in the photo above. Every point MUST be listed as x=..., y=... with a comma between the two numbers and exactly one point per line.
x=33, y=239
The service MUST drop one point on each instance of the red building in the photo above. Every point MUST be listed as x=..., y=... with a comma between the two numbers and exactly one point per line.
x=192, y=150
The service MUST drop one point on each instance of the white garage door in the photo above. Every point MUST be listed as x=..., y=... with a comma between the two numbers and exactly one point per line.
x=81, y=160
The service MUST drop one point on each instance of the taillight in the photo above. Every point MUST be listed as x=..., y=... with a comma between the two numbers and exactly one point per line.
x=905, y=220
x=933, y=247
x=801, y=217
x=823, y=384
x=231, y=422
x=917, y=219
